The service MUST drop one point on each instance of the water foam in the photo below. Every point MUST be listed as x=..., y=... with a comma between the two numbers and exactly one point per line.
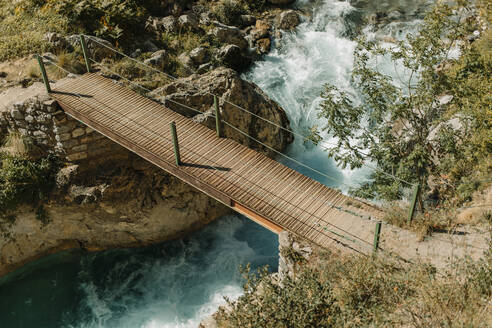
x=177, y=284
x=294, y=73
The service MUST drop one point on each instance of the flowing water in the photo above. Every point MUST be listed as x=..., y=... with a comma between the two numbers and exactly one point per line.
x=176, y=284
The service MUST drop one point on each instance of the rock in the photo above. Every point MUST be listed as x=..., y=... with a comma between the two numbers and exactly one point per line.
x=199, y=55
x=456, y=124
x=196, y=92
x=150, y=46
x=63, y=137
x=229, y=34
x=98, y=48
x=3, y=74
x=394, y=15
x=58, y=41
x=137, y=53
x=263, y=46
x=29, y=119
x=446, y=99
x=231, y=56
x=65, y=176
x=158, y=58
x=188, y=22
x=281, y=2
x=288, y=20
x=204, y=68
x=248, y=20
x=260, y=31
x=39, y=135
x=85, y=195
x=157, y=25
x=186, y=60
x=208, y=322
x=117, y=220
x=16, y=114
x=78, y=132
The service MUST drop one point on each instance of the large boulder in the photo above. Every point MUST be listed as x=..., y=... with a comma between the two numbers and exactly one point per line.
x=199, y=55
x=188, y=22
x=229, y=34
x=157, y=25
x=231, y=56
x=288, y=20
x=260, y=31
x=157, y=59
x=234, y=94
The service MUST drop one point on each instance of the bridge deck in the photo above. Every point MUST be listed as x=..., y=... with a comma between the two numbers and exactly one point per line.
x=249, y=182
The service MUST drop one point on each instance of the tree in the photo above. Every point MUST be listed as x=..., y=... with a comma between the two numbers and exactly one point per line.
x=402, y=124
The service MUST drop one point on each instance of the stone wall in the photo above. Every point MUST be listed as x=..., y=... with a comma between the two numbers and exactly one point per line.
x=42, y=120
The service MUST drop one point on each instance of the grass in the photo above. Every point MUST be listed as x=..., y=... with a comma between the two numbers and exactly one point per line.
x=24, y=179
x=424, y=224
x=23, y=28
x=350, y=291
x=17, y=145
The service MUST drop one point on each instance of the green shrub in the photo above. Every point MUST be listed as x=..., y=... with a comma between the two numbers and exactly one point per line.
x=340, y=291
x=25, y=181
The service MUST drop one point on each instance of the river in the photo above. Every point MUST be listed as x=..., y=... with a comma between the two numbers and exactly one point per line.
x=176, y=284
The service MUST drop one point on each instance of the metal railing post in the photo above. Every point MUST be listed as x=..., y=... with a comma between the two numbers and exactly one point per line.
x=377, y=232
x=86, y=54
x=43, y=73
x=413, y=204
x=218, y=123
x=175, y=143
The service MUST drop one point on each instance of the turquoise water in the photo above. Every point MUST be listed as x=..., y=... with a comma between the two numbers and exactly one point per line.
x=173, y=284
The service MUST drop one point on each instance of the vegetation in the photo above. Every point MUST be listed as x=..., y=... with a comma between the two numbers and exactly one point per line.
x=404, y=126
x=229, y=11
x=366, y=292
x=25, y=22
x=24, y=180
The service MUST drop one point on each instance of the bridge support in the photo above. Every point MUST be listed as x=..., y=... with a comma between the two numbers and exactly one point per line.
x=218, y=123
x=86, y=54
x=175, y=143
x=43, y=73
x=377, y=232
x=413, y=204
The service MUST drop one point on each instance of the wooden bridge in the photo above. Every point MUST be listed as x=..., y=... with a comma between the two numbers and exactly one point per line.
x=249, y=182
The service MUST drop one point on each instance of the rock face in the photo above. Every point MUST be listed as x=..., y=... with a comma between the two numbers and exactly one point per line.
x=140, y=205
x=197, y=92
